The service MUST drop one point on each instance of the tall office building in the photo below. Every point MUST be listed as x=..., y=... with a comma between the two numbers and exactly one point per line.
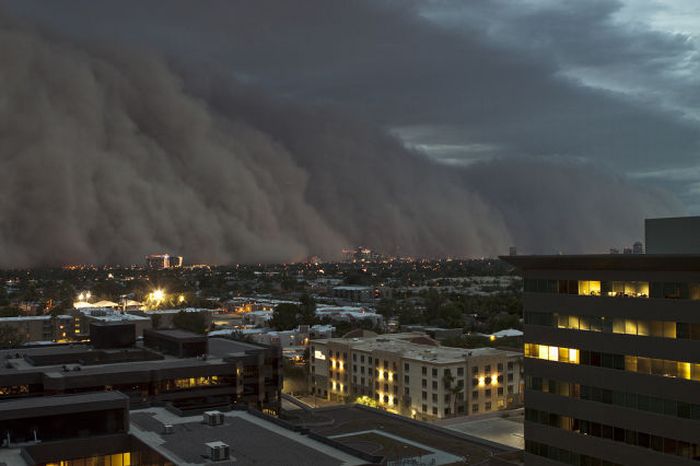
x=612, y=359
x=163, y=261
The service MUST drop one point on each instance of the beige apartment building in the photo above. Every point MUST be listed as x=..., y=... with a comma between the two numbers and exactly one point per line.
x=411, y=375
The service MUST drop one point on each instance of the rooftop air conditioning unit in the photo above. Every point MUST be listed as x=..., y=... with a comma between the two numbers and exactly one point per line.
x=168, y=428
x=213, y=418
x=218, y=451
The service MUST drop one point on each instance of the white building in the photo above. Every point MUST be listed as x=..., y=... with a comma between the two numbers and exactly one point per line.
x=410, y=374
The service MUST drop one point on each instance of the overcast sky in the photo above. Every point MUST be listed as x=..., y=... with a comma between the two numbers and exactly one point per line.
x=614, y=82
x=566, y=103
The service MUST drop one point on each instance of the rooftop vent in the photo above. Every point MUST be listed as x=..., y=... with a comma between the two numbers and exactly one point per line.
x=218, y=451
x=213, y=418
x=168, y=428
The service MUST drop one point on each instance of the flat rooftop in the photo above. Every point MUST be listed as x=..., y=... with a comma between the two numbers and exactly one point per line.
x=401, y=343
x=252, y=440
x=401, y=438
x=506, y=427
x=660, y=262
x=20, y=360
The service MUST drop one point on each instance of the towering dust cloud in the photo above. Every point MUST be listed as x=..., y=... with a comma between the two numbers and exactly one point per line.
x=108, y=155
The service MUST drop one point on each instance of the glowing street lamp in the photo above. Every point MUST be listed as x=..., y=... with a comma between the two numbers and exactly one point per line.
x=158, y=295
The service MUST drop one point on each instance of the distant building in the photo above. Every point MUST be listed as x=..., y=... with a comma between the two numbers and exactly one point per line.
x=83, y=318
x=408, y=374
x=513, y=251
x=40, y=328
x=166, y=316
x=638, y=248
x=677, y=235
x=436, y=333
x=354, y=293
x=163, y=261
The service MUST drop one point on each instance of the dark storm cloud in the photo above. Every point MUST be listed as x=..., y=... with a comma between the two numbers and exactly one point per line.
x=481, y=72
x=109, y=154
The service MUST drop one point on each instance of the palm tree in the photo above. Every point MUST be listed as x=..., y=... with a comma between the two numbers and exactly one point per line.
x=455, y=389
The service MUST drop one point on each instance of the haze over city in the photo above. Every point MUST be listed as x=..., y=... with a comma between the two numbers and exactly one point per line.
x=272, y=131
x=349, y=233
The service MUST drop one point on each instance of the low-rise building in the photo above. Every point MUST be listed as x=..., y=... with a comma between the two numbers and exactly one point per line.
x=166, y=316
x=84, y=317
x=412, y=375
x=176, y=368
x=39, y=328
x=355, y=293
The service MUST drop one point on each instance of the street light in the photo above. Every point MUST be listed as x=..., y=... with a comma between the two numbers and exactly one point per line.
x=158, y=295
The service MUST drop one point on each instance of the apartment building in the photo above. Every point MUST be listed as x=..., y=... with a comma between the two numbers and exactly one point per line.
x=39, y=328
x=412, y=375
x=612, y=359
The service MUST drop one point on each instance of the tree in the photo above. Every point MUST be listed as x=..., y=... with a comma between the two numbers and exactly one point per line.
x=10, y=337
x=408, y=314
x=307, y=308
x=284, y=317
x=9, y=312
x=455, y=389
x=288, y=316
x=386, y=307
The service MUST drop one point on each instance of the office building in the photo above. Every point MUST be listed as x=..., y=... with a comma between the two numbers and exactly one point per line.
x=98, y=429
x=612, y=358
x=674, y=235
x=412, y=375
x=171, y=367
x=163, y=261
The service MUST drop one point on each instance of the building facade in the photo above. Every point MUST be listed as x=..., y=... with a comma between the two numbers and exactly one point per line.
x=410, y=374
x=40, y=328
x=612, y=359
x=175, y=368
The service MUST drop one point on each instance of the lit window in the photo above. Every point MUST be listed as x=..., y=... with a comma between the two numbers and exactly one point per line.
x=589, y=287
